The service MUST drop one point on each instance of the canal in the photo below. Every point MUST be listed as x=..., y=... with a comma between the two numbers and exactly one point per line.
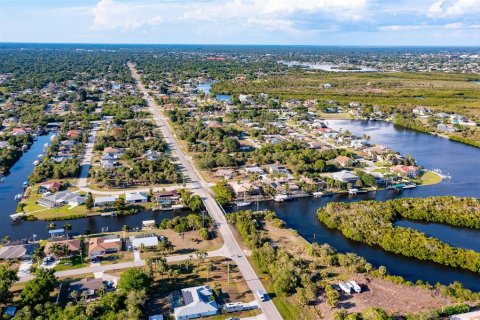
x=459, y=160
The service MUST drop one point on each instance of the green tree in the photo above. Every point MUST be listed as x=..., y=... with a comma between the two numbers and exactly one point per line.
x=7, y=277
x=134, y=279
x=39, y=288
x=333, y=296
x=89, y=201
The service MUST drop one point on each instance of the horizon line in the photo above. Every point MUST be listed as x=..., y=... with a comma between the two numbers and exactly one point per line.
x=245, y=44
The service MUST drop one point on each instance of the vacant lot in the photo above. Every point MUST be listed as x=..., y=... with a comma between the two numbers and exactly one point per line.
x=376, y=292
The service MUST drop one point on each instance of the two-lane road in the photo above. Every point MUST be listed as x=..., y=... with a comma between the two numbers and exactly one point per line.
x=189, y=171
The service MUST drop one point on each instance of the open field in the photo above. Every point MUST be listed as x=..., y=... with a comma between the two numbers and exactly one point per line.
x=449, y=92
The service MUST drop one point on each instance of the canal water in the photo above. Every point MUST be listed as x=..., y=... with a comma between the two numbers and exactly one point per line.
x=13, y=184
x=207, y=86
x=459, y=160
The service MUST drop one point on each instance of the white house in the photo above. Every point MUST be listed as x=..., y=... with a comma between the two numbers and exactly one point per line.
x=136, y=197
x=147, y=241
x=61, y=198
x=345, y=176
x=104, y=201
x=199, y=302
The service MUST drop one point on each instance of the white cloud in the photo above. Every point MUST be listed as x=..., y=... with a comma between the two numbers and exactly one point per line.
x=401, y=27
x=453, y=8
x=270, y=14
x=110, y=14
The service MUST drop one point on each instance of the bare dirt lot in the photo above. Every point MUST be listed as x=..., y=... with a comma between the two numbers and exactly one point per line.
x=376, y=292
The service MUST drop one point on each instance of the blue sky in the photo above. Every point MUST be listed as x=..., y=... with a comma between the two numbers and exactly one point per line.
x=312, y=22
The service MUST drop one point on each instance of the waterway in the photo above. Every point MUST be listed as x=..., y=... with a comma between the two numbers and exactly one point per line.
x=460, y=160
x=206, y=88
x=13, y=184
x=327, y=67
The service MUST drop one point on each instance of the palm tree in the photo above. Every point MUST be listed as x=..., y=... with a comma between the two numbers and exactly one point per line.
x=75, y=295
x=51, y=226
x=67, y=227
x=38, y=255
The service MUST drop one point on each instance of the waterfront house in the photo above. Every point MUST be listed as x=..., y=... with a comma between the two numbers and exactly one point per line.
x=104, y=201
x=405, y=171
x=168, y=199
x=50, y=187
x=345, y=176
x=104, y=245
x=243, y=189
x=197, y=302
x=148, y=241
x=74, y=246
x=136, y=197
x=61, y=198
x=17, y=251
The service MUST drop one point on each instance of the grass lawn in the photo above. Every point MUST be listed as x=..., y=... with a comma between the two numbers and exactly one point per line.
x=429, y=178
x=51, y=214
x=74, y=262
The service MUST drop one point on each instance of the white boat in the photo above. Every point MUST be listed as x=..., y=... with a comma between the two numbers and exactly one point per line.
x=354, y=285
x=280, y=197
x=53, y=137
x=352, y=191
x=36, y=162
x=40, y=155
x=243, y=204
x=18, y=196
x=345, y=288
x=318, y=194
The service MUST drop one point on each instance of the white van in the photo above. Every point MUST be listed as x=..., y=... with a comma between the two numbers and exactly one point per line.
x=261, y=295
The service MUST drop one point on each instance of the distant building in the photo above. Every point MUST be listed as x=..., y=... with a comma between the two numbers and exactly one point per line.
x=198, y=302
x=136, y=197
x=148, y=241
x=104, y=201
x=405, y=171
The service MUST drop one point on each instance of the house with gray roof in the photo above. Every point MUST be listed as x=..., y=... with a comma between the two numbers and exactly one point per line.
x=197, y=302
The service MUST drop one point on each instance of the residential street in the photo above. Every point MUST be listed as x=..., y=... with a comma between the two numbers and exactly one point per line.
x=231, y=246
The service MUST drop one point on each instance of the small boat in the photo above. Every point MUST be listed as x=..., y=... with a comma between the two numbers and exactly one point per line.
x=243, y=204
x=18, y=196
x=25, y=183
x=352, y=191
x=354, y=285
x=40, y=155
x=53, y=137
x=318, y=194
x=24, y=147
x=36, y=162
x=409, y=186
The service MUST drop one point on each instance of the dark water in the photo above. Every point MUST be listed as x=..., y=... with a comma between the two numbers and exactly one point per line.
x=24, y=229
x=460, y=160
x=13, y=183
x=455, y=236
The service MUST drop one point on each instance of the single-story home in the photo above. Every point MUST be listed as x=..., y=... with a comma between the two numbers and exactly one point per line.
x=61, y=198
x=136, y=197
x=148, y=241
x=199, y=302
x=104, y=201
x=74, y=246
x=90, y=285
x=345, y=176
x=103, y=245
x=278, y=168
x=19, y=251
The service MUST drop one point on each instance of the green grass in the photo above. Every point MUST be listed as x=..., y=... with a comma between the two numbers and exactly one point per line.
x=74, y=262
x=429, y=178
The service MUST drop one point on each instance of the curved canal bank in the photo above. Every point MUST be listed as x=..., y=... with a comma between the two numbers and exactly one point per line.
x=459, y=160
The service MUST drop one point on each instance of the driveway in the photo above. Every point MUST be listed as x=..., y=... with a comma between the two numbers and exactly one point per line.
x=24, y=269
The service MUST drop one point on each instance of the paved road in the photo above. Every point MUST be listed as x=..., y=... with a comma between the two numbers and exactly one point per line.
x=137, y=262
x=87, y=157
x=189, y=171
